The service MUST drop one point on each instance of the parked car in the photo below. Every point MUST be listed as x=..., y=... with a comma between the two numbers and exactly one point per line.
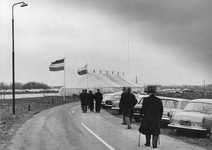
x=107, y=97
x=115, y=103
x=170, y=106
x=113, y=98
x=196, y=116
x=137, y=107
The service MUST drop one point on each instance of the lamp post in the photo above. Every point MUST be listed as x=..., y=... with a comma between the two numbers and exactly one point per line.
x=13, y=53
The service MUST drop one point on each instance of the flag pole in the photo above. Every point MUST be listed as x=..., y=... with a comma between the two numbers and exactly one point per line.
x=87, y=75
x=64, y=92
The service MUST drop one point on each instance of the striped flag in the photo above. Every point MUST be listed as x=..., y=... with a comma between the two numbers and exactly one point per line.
x=83, y=70
x=58, y=65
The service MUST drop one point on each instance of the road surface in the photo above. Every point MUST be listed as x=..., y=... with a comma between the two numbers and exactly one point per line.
x=66, y=128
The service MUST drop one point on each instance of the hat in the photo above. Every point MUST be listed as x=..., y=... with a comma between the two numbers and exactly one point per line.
x=151, y=89
x=128, y=88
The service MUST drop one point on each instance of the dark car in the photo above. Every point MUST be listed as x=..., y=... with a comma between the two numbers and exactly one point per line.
x=137, y=107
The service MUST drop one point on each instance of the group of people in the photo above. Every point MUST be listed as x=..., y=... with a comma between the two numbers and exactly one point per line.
x=151, y=110
x=150, y=114
x=87, y=100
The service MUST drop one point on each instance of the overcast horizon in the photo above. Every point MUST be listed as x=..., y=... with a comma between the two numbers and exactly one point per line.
x=163, y=42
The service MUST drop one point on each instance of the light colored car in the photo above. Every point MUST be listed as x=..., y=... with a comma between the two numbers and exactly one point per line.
x=196, y=116
x=170, y=107
x=111, y=100
x=115, y=103
x=107, y=97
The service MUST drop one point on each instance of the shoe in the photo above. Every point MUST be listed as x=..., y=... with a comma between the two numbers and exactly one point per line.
x=129, y=128
x=124, y=123
x=154, y=146
x=147, y=144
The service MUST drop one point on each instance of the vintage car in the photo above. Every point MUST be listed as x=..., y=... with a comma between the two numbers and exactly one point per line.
x=137, y=107
x=196, y=116
x=108, y=96
x=115, y=103
x=170, y=106
x=113, y=98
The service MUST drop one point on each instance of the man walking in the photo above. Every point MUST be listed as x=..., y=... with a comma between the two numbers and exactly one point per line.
x=129, y=101
x=120, y=105
x=98, y=99
x=91, y=100
x=84, y=100
x=151, y=113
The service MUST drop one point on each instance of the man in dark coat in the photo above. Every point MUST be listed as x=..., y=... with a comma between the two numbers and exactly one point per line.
x=91, y=100
x=84, y=100
x=120, y=105
x=98, y=99
x=151, y=113
x=129, y=101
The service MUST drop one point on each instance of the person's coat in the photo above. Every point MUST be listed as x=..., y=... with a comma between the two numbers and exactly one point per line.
x=128, y=103
x=98, y=98
x=151, y=113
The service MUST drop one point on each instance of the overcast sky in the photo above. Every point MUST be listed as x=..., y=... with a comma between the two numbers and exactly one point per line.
x=167, y=42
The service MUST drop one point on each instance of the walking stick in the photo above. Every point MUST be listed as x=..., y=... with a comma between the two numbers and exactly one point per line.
x=139, y=137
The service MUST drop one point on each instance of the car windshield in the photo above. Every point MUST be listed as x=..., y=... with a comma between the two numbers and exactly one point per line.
x=116, y=96
x=169, y=103
x=199, y=107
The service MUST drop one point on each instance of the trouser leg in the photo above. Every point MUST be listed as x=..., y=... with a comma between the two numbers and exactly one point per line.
x=154, y=141
x=127, y=119
x=124, y=121
x=148, y=138
x=99, y=107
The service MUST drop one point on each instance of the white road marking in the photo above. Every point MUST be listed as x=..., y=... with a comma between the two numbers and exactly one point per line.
x=110, y=147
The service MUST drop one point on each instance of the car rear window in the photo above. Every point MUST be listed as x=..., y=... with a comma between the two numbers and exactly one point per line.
x=199, y=107
x=170, y=103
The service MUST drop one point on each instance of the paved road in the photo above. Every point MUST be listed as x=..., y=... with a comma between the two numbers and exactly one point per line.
x=67, y=128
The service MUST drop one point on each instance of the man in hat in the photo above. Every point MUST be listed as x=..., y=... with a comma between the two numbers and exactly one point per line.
x=129, y=101
x=151, y=113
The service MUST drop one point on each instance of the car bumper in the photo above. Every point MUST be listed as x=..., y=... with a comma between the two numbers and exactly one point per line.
x=194, y=128
x=107, y=105
x=136, y=114
x=115, y=108
x=165, y=120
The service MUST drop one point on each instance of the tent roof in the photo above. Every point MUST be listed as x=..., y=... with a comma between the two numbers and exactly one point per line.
x=94, y=80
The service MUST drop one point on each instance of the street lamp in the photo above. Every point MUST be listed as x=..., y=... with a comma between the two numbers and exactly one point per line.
x=23, y=4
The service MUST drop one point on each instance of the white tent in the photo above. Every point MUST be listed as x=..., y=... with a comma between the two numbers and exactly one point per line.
x=105, y=82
